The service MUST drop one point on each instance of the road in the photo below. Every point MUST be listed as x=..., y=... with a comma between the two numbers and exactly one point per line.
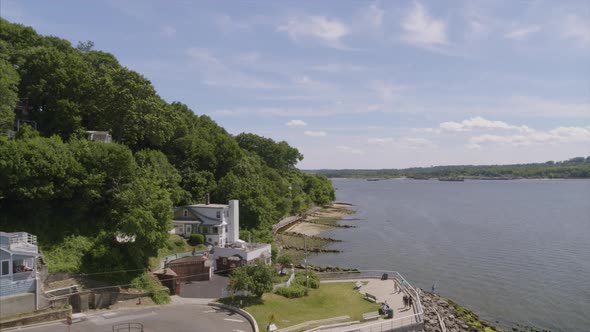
x=169, y=318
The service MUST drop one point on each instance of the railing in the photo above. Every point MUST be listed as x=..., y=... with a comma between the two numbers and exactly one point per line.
x=22, y=275
x=128, y=327
x=167, y=259
x=385, y=325
x=403, y=324
x=22, y=237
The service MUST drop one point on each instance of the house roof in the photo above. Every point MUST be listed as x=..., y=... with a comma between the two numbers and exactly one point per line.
x=212, y=206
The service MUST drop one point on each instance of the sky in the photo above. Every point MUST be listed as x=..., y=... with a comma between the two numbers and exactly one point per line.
x=358, y=84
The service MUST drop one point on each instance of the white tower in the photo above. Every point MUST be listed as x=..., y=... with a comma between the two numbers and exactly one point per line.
x=234, y=221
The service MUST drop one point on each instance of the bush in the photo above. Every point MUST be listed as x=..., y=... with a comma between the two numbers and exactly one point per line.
x=146, y=282
x=314, y=280
x=69, y=254
x=179, y=242
x=291, y=292
x=196, y=239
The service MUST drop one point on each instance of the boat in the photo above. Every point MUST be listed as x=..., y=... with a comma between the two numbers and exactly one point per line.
x=450, y=178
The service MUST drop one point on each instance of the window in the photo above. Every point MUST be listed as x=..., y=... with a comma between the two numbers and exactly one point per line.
x=224, y=261
x=5, y=268
x=226, y=229
x=215, y=230
x=209, y=240
x=185, y=213
x=218, y=214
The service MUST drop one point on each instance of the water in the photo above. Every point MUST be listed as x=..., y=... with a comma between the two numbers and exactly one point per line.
x=512, y=251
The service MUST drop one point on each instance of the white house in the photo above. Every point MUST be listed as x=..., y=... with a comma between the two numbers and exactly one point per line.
x=220, y=225
x=19, y=284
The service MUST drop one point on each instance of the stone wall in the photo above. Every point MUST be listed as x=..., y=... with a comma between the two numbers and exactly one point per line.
x=17, y=304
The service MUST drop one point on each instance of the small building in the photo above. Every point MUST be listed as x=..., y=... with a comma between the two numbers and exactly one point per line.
x=228, y=264
x=191, y=268
x=99, y=136
x=19, y=282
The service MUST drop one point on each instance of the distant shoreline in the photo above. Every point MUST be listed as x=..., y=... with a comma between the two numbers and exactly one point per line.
x=466, y=179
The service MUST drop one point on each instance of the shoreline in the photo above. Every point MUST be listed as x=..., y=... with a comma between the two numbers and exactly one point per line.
x=306, y=226
x=465, y=178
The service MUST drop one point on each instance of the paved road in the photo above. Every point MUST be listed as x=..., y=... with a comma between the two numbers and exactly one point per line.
x=170, y=318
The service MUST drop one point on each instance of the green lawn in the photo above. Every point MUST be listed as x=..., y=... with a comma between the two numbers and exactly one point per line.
x=330, y=300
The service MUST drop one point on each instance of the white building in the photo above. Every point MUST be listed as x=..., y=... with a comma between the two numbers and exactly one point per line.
x=220, y=225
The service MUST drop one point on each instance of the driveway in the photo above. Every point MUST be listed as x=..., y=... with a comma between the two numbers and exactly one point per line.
x=211, y=289
x=181, y=318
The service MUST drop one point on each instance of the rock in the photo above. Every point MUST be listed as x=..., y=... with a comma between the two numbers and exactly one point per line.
x=451, y=317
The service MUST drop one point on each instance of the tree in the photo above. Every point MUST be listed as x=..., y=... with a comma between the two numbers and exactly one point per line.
x=86, y=46
x=9, y=80
x=256, y=279
x=284, y=260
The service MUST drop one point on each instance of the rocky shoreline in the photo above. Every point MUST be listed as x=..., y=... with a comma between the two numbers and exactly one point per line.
x=454, y=317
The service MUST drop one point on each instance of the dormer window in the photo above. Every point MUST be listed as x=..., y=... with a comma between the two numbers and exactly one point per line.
x=185, y=213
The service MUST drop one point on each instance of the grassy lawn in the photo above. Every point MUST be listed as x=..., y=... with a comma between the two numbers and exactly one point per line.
x=330, y=300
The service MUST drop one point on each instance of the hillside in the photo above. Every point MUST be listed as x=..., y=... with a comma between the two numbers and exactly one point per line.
x=77, y=195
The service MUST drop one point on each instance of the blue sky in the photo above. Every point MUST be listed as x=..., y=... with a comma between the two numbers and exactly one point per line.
x=358, y=84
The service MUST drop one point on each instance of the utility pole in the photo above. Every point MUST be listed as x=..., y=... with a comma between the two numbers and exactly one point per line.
x=305, y=259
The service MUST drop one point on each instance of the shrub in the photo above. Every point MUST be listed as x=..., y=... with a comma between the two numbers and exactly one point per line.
x=146, y=282
x=196, y=239
x=291, y=292
x=179, y=242
x=314, y=280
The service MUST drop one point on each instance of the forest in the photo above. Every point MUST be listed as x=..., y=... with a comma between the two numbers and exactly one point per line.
x=77, y=195
x=574, y=168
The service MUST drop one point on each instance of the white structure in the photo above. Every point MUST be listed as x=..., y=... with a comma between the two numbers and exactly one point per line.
x=220, y=225
x=19, y=285
x=99, y=136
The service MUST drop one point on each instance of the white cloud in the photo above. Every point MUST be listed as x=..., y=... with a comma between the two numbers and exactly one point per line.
x=421, y=29
x=316, y=27
x=380, y=140
x=226, y=23
x=577, y=29
x=522, y=32
x=349, y=149
x=296, y=123
x=386, y=91
x=315, y=133
x=216, y=73
x=415, y=142
x=373, y=16
x=167, y=31
x=554, y=136
x=479, y=123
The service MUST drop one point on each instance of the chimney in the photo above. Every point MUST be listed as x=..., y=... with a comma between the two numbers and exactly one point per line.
x=207, y=202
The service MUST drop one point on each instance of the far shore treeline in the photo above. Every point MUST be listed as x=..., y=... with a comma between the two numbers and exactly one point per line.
x=77, y=195
x=575, y=168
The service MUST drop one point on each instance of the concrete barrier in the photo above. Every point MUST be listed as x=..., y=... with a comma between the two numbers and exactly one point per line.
x=35, y=317
x=245, y=314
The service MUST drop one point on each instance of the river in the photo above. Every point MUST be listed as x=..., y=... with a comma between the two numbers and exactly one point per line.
x=514, y=251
